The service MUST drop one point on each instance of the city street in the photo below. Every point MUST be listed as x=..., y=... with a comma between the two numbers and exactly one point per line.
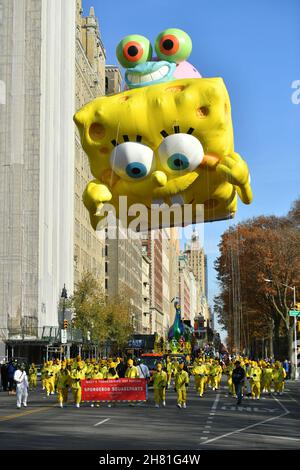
x=211, y=422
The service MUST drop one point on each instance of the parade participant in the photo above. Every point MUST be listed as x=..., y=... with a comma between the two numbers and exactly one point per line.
x=238, y=376
x=20, y=377
x=131, y=371
x=199, y=371
x=213, y=375
x=219, y=370
x=159, y=379
x=32, y=376
x=279, y=376
x=247, y=378
x=268, y=377
x=56, y=369
x=104, y=368
x=49, y=378
x=43, y=375
x=63, y=382
x=181, y=380
x=112, y=373
x=77, y=375
x=255, y=380
x=121, y=368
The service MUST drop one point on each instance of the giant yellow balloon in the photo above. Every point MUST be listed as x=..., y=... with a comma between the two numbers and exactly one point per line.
x=170, y=142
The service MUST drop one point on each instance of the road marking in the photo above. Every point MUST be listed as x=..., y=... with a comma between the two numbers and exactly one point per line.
x=25, y=413
x=275, y=437
x=247, y=427
x=206, y=432
x=101, y=422
x=216, y=402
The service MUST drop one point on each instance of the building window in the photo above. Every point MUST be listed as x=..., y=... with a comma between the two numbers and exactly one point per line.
x=106, y=267
x=106, y=283
x=106, y=250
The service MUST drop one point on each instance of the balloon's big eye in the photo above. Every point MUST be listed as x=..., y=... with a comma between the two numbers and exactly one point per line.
x=180, y=153
x=133, y=50
x=173, y=45
x=168, y=44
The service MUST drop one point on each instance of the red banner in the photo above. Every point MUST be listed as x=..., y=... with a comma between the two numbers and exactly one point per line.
x=114, y=390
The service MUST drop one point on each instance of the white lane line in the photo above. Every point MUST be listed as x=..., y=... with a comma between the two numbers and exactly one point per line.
x=247, y=427
x=275, y=437
x=216, y=402
x=101, y=422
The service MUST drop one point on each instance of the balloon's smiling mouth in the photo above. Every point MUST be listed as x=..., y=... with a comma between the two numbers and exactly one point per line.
x=149, y=73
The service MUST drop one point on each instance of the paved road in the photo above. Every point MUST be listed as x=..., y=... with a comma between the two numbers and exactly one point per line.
x=211, y=422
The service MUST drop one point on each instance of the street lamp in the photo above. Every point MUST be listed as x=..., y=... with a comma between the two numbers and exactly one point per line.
x=64, y=296
x=295, y=325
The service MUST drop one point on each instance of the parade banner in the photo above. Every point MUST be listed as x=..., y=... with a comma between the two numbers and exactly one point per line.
x=114, y=390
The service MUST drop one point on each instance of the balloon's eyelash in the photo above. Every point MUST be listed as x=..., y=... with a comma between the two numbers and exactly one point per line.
x=126, y=139
x=176, y=131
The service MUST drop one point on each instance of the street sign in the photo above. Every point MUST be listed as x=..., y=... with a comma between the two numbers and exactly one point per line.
x=294, y=313
x=63, y=336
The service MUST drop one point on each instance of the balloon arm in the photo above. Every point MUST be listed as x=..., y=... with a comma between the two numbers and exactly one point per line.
x=245, y=193
x=95, y=194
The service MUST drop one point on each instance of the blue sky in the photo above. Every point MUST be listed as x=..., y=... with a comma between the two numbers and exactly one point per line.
x=254, y=46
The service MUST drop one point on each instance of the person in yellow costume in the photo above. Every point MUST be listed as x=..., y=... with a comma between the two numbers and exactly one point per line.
x=181, y=380
x=279, y=375
x=56, y=368
x=49, y=378
x=219, y=371
x=213, y=375
x=199, y=371
x=112, y=373
x=160, y=380
x=131, y=371
x=228, y=371
x=77, y=375
x=43, y=375
x=104, y=368
x=255, y=380
x=63, y=382
x=207, y=365
x=267, y=378
x=32, y=376
x=169, y=368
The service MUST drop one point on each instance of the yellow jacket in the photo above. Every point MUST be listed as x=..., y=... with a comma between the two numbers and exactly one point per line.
x=181, y=379
x=159, y=379
x=77, y=376
x=132, y=373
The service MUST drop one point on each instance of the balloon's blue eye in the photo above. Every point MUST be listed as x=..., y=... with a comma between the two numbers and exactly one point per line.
x=178, y=161
x=136, y=170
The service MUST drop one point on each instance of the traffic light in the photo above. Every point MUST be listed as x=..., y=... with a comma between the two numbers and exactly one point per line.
x=298, y=326
x=65, y=324
x=298, y=306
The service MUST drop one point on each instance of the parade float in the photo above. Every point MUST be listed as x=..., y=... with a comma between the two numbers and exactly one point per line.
x=166, y=139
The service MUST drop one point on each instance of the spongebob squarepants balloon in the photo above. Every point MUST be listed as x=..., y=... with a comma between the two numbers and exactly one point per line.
x=167, y=138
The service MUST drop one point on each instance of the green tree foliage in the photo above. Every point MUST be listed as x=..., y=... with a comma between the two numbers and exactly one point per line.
x=101, y=319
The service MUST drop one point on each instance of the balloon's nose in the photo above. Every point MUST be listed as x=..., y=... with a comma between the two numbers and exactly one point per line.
x=159, y=178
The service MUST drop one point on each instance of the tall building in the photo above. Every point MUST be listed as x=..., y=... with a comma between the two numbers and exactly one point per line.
x=123, y=272
x=36, y=165
x=173, y=271
x=146, y=313
x=197, y=262
x=90, y=83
